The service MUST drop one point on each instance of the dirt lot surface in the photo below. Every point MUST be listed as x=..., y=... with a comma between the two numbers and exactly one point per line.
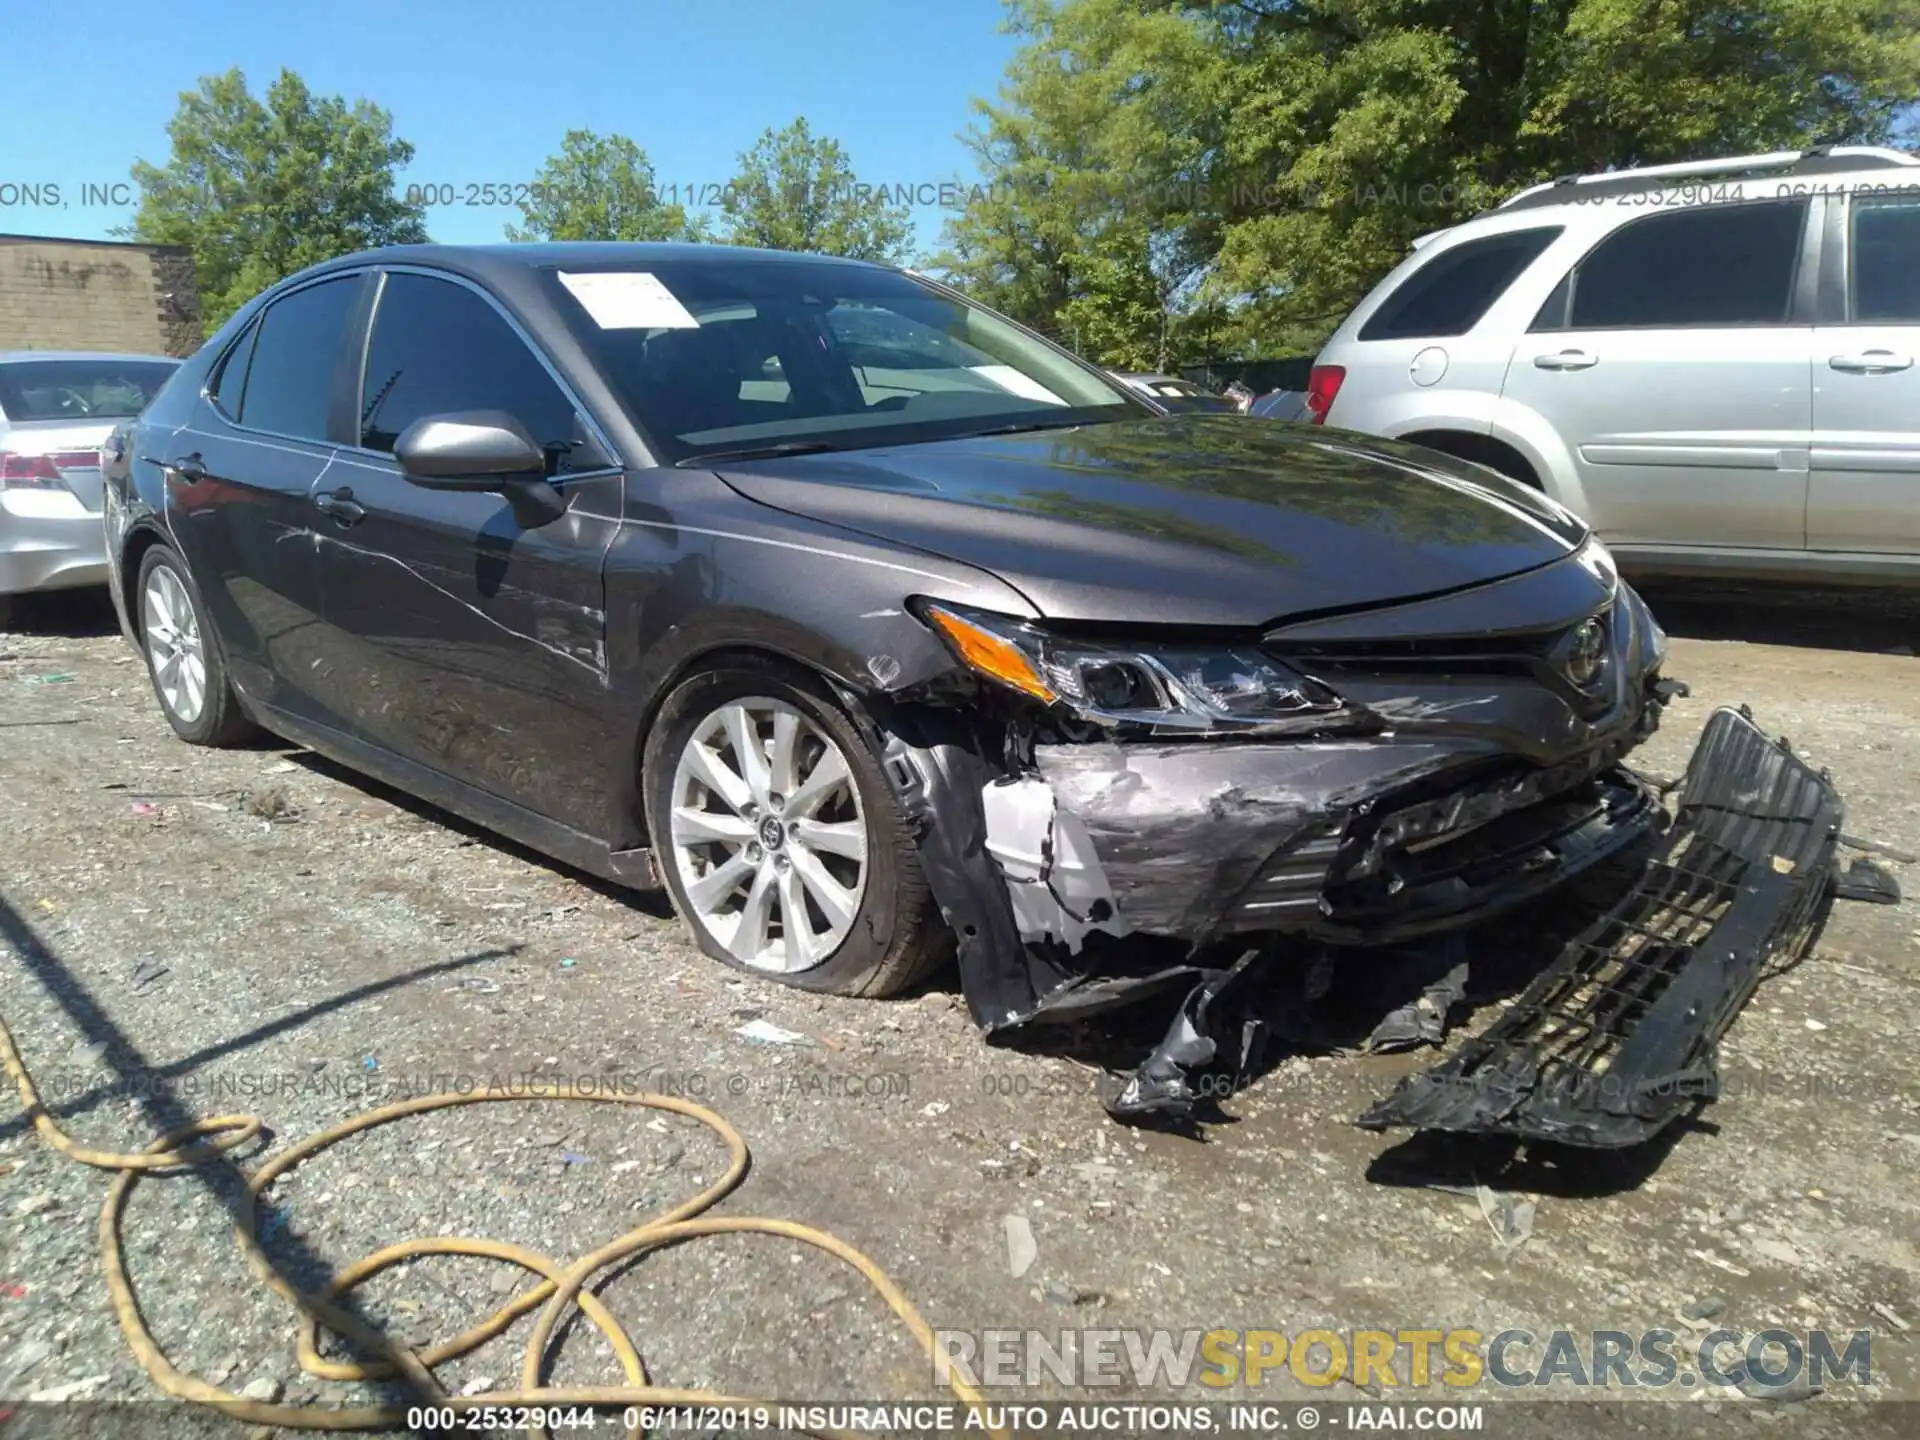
x=258, y=930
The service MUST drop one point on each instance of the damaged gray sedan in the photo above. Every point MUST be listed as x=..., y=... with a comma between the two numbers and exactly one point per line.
x=875, y=627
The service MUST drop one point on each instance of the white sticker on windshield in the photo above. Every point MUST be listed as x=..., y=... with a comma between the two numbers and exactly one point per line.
x=628, y=300
x=1010, y=379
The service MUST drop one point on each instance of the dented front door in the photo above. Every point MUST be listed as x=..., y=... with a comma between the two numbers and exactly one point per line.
x=460, y=641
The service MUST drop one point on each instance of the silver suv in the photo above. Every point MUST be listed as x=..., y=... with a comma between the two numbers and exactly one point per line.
x=1713, y=363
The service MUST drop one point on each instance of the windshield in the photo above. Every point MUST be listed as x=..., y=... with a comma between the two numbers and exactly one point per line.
x=94, y=389
x=724, y=355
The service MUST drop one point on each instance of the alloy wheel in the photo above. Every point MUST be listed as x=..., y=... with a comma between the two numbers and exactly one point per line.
x=768, y=835
x=174, y=647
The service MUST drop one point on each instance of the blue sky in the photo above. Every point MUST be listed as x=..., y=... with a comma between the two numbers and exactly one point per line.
x=485, y=89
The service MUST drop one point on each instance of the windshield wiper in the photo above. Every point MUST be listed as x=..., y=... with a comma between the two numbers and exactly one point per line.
x=1020, y=427
x=759, y=452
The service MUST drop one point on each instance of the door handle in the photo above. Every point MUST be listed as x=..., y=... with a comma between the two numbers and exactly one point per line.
x=188, y=468
x=1871, y=362
x=1566, y=360
x=340, y=506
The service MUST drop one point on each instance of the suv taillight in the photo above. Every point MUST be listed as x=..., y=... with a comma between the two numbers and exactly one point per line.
x=29, y=472
x=1322, y=385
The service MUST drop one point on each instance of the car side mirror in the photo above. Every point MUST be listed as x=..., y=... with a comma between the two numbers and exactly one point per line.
x=481, y=450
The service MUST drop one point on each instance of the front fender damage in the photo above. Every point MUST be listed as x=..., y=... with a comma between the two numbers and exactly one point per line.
x=1079, y=875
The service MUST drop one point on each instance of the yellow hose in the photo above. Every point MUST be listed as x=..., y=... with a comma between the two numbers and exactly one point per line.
x=561, y=1287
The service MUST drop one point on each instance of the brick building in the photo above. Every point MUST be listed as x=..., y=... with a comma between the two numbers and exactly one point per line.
x=97, y=295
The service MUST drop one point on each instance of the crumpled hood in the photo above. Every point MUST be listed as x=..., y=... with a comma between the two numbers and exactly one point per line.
x=1182, y=520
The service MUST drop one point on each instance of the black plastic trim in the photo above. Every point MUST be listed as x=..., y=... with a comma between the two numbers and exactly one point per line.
x=1615, y=1040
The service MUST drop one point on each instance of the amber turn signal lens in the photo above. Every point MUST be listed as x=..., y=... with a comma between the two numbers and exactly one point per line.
x=992, y=656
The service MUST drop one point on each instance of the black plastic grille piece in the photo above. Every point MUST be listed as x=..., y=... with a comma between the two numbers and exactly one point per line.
x=1615, y=1039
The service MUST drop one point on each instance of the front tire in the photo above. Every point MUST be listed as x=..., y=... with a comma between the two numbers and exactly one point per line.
x=781, y=844
x=189, y=677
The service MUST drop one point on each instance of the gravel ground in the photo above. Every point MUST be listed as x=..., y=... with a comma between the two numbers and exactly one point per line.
x=258, y=930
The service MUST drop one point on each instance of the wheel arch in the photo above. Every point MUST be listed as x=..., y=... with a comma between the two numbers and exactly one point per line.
x=1488, y=450
x=142, y=537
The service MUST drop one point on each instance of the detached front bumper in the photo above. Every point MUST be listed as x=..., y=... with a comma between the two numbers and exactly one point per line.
x=1615, y=1039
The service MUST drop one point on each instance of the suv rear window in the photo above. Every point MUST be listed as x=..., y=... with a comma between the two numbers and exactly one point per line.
x=93, y=389
x=1449, y=294
x=1710, y=265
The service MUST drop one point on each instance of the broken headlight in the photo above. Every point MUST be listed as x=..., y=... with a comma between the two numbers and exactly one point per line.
x=1175, y=686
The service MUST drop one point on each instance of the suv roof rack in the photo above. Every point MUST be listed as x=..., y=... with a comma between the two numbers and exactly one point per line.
x=1821, y=160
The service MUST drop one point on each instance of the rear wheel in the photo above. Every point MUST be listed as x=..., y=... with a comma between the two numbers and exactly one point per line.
x=779, y=839
x=189, y=677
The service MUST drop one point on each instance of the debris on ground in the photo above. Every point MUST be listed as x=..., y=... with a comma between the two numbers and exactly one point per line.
x=1510, y=1216
x=1021, y=1249
x=765, y=1032
x=1424, y=1021
x=75, y=1390
x=29, y=1354
x=269, y=802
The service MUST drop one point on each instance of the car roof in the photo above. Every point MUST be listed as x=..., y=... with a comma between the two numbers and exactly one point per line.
x=1829, y=164
x=484, y=262
x=20, y=357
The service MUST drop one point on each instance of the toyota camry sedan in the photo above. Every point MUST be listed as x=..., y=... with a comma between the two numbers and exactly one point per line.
x=877, y=629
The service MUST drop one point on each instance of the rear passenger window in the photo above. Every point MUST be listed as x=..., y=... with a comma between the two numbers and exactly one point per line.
x=295, y=354
x=1449, y=294
x=231, y=383
x=438, y=348
x=1718, y=265
x=1886, y=258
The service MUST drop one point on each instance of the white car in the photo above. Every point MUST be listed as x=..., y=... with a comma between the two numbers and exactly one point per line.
x=56, y=410
x=1173, y=393
x=1714, y=364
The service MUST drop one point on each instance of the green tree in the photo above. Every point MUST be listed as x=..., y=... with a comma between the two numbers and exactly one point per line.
x=1237, y=173
x=798, y=191
x=261, y=188
x=601, y=187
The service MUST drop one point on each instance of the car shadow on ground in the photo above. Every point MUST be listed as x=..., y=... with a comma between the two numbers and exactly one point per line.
x=74, y=614
x=651, y=903
x=1877, y=621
